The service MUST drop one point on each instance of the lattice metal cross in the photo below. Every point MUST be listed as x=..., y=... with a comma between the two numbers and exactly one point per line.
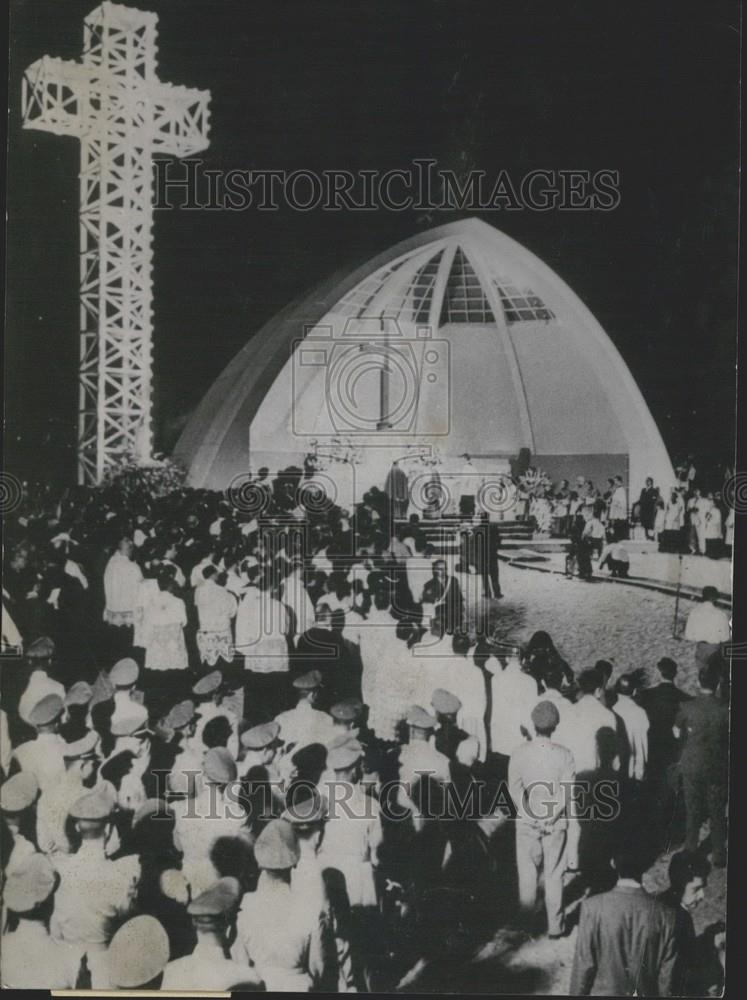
x=122, y=115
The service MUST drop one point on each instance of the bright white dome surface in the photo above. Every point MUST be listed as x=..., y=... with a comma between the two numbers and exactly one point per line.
x=489, y=352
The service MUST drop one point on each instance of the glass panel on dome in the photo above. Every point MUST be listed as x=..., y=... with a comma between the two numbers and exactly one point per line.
x=415, y=304
x=464, y=299
x=357, y=300
x=521, y=304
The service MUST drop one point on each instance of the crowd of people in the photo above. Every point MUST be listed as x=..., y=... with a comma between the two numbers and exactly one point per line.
x=686, y=518
x=269, y=751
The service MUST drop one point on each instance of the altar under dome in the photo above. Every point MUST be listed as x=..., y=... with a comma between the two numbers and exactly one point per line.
x=455, y=341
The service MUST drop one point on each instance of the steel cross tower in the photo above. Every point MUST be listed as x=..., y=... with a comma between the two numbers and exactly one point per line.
x=123, y=115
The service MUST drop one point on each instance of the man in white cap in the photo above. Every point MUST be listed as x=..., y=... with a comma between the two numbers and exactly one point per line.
x=540, y=777
x=307, y=814
x=44, y=756
x=305, y=724
x=352, y=839
x=30, y=958
x=137, y=955
x=215, y=812
x=207, y=967
x=94, y=892
x=284, y=942
x=127, y=701
x=17, y=798
x=514, y=695
x=184, y=778
x=469, y=681
x=77, y=706
x=420, y=756
x=263, y=788
x=39, y=656
x=208, y=692
x=81, y=764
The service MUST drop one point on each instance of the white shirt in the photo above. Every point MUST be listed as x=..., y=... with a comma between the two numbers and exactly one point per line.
x=419, y=571
x=421, y=757
x=52, y=812
x=216, y=606
x=93, y=893
x=296, y=596
x=589, y=716
x=713, y=522
x=207, y=968
x=305, y=724
x=674, y=515
x=636, y=728
x=514, y=697
x=261, y=628
x=284, y=941
x=122, y=577
x=352, y=835
x=707, y=623
x=32, y=960
x=594, y=528
x=43, y=758
x=618, y=504
x=199, y=823
x=468, y=684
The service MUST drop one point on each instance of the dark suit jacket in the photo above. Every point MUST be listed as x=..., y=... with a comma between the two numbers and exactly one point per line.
x=626, y=944
x=661, y=704
x=433, y=594
x=704, y=726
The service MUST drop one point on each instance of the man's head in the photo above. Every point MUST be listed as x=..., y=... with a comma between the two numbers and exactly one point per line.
x=605, y=670
x=649, y=481
x=667, y=668
x=83, y=756
x=307, y=686
x=439, y=570
x=125, y=546
x=420, y=724
x=92, y=813
x=47, y=714
x=626, y=685
x=262, y=740
x=710, y=595
x=217, y=732
x=545, y=718
x=461, y=643
x=629, y=863
x=591, y=682
x=446, y=705
x=688, y=877
x=213, y=910
x=552, y=676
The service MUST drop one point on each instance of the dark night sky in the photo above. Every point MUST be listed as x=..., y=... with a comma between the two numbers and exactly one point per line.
x=649, y=89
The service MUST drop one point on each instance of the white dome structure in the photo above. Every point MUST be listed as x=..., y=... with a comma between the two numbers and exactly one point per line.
x=457, y=340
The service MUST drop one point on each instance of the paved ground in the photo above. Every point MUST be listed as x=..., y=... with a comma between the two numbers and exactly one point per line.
x=694, y=572
x=628, y=626
x=588, y=621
